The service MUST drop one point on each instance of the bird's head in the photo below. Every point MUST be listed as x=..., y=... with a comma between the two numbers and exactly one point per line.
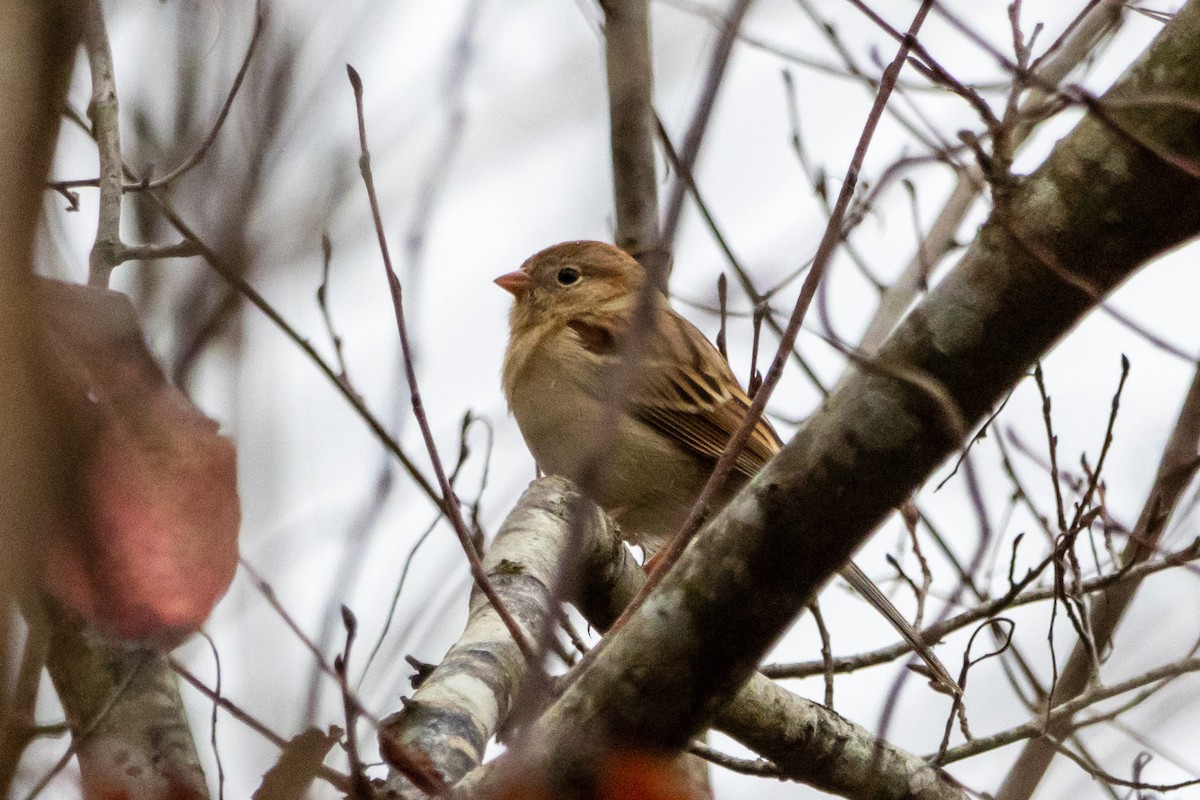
x=572, y=280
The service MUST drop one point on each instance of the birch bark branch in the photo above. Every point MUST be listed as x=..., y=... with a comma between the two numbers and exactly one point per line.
x=460, y=704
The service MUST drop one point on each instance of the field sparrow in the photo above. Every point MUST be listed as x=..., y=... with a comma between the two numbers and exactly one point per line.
x=573, y=302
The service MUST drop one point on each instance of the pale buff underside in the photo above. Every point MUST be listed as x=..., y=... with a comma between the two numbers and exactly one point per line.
x=566, y=436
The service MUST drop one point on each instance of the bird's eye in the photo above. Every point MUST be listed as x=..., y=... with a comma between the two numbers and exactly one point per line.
x=567, y=276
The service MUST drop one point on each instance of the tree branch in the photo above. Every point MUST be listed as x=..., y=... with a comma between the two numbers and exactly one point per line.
x=37, y=50
x=458, y=706
x=103, y=112
x=689, y=150
x=129, y=729
x=631, y=126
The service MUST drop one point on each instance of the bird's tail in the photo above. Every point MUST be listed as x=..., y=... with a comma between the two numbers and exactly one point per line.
x=867, y=588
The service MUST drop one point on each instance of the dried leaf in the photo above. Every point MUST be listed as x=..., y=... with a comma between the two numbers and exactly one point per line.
x=298, y=765
x=147, y=540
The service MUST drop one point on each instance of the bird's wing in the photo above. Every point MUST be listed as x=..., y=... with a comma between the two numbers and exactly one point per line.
x=687, y=391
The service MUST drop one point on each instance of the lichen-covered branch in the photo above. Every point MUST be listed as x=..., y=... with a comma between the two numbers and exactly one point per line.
x=1110, y=197
x=128, y=726
x=815, y=745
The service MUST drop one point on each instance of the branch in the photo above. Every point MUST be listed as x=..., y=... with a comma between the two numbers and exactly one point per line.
x=879, y=437
x=335, y=779
x=813, y=744
x=1012, y=599
x=721, y=471
x=631, y=129
x=450, y=502
x=200, y=152
x=1069, y=709
x=689, y=150
x=38, y=42
x=102, y=110
x=129, y=728
x=458, y=706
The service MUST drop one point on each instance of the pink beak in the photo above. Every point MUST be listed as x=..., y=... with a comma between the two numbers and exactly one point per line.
x=515, y=283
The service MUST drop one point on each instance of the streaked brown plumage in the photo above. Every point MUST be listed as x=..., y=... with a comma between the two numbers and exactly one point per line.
x=573, y=303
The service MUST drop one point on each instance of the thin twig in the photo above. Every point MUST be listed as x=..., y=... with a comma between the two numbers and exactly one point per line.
x=335, y=779
x=1016, y=596
x=323, y=304
x=692, y=138
x=360, y=787
x=197, y=155
x=1066, y=710
x=739, y=270
x=450, y=503
x=256, y=299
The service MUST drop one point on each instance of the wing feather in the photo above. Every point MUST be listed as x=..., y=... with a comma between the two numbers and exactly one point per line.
x=689, y=393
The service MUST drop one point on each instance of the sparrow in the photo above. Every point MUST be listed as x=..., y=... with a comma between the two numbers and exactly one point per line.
x=573, y=304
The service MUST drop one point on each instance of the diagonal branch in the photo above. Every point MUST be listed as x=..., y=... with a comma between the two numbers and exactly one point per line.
x=689, y=150
x=450, y=503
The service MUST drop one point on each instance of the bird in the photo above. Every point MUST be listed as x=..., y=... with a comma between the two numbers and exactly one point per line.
x=572, y=305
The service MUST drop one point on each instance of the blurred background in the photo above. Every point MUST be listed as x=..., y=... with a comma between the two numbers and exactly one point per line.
x=488, y=124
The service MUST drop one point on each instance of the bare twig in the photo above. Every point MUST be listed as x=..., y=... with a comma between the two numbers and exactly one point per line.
x=152, y=252
x=360, y=787
x=690, y=149
x=333, y=777
x=103, y=112
x=1175, y=470
x=200, y=152
x=1100, y=23
x=450, y=503
x=739, y=270
x=260, y=18
x=1018, y=595
x=323, y=304
x=1069, y=709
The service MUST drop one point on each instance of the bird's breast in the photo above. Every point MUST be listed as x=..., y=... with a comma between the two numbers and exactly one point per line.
x=636, y=473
